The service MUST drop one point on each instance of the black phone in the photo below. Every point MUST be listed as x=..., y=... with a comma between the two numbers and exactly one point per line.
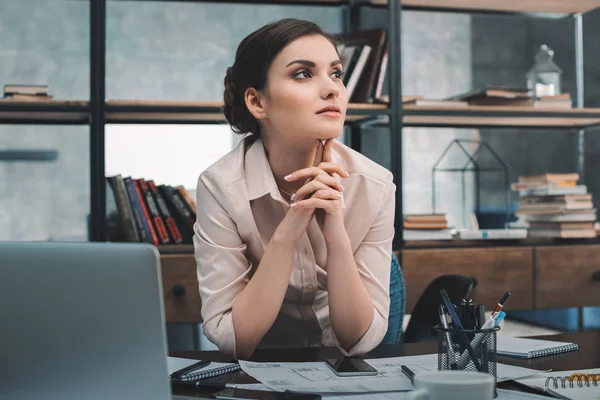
x=350, y=366
x=235, y=394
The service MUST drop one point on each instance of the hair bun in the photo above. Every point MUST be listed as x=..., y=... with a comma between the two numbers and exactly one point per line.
x=235, y=110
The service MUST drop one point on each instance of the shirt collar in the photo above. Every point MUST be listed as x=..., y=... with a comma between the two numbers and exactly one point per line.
x=259, y=177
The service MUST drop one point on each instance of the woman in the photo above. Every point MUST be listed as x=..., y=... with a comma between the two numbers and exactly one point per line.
x=293, y=240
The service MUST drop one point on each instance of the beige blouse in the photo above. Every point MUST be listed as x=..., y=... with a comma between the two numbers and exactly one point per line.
x=239, y=207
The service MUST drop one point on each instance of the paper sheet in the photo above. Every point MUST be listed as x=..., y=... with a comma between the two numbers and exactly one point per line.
x=316, y=377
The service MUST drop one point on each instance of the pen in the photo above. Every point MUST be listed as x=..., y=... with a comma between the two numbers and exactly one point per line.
x=199, y=384
x=480, y=316
x=450, y=344
x=459, y=326
x=500, y=304
x=499, y=318
x=409, y=374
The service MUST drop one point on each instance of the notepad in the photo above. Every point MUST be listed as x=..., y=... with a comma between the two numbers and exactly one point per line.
x=211, y=370
x=531, y=348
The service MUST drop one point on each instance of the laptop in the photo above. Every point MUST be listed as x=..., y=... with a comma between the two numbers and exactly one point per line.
x=81, y=321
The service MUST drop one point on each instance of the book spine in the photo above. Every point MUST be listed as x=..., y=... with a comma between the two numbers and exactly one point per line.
x=145, y=213
x=166, y=214
x=124, y=208
x=159, y=224
x=137, y=211
x=182, y=222
x=189, y=201
x=181, y=205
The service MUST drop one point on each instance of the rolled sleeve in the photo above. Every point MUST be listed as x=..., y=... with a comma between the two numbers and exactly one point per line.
x=222, y=267
x=373, y=259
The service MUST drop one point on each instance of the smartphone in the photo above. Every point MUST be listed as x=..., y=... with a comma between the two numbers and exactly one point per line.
x=350, y=366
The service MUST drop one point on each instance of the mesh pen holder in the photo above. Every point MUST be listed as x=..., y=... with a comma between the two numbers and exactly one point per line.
x=454, y=352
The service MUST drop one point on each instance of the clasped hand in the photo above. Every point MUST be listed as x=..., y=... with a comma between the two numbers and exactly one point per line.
x=321, y=195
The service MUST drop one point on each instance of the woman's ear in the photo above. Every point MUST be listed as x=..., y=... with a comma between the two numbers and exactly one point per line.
x=255, y=103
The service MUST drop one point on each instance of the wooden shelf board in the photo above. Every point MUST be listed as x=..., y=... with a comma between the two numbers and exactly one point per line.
x=534, y=6
x=54, y=103
x=457, y=243
x=130, y=111
x=500, y=116
x=164, y=103
x=44, y=112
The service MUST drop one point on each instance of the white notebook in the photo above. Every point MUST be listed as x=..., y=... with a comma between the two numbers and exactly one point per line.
x=531, y=348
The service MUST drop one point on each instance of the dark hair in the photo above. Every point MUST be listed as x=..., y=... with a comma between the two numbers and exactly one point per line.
x=253, y=58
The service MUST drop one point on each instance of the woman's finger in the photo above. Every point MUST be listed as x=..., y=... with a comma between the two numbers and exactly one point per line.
x=312, y=172
x=330, y=206
x=318, y=154
x=330, y=166
x=328, y=150
x=330, y=181
x=308, y=189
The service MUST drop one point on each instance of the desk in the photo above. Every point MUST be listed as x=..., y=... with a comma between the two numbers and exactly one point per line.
x=588, y=356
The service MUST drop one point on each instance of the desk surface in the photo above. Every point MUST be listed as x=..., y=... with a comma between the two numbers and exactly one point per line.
x=588, y=356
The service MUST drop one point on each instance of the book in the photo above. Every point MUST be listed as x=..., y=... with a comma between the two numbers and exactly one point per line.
x=175, y=364
x=492, y=234
x=548, y=178
x=531, y=348
x=553, y=191
x=10, y=89
x=491, y=94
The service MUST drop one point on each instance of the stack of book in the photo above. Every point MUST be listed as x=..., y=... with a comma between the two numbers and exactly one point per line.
x=555, y=206
x=427, y=227
x=33, y=93
x=139, y=210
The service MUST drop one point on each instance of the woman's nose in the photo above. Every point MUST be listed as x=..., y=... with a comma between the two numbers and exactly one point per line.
x=330, y=89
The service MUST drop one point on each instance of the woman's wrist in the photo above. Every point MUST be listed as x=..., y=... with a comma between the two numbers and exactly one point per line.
x=339, y=242
x=282, y=236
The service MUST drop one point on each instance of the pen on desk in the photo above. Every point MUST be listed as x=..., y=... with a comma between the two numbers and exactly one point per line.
x=409, y=374
x=500, y=304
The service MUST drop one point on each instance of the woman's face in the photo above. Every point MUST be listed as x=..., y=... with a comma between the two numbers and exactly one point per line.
x=304, y=96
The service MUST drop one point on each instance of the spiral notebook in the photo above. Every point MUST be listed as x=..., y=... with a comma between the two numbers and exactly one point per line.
x=531, y=348
x=210, y=371
x=574, y=385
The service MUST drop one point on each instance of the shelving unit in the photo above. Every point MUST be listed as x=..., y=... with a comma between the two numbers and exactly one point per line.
x=97, y=112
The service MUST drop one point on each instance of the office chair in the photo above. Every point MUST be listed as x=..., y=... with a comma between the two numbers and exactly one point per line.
x=397, y=304
x=425, y=313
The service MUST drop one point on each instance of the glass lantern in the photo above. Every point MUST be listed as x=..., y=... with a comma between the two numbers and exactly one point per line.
x=543, y=79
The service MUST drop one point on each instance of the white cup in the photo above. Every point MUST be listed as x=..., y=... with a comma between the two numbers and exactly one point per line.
x=452, y=385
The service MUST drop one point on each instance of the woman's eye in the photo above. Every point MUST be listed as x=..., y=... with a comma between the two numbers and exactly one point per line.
x=338, y=74
x=302, y=74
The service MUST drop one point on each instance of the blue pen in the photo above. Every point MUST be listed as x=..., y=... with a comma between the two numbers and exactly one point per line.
x=459, y=326
x=499, y=318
